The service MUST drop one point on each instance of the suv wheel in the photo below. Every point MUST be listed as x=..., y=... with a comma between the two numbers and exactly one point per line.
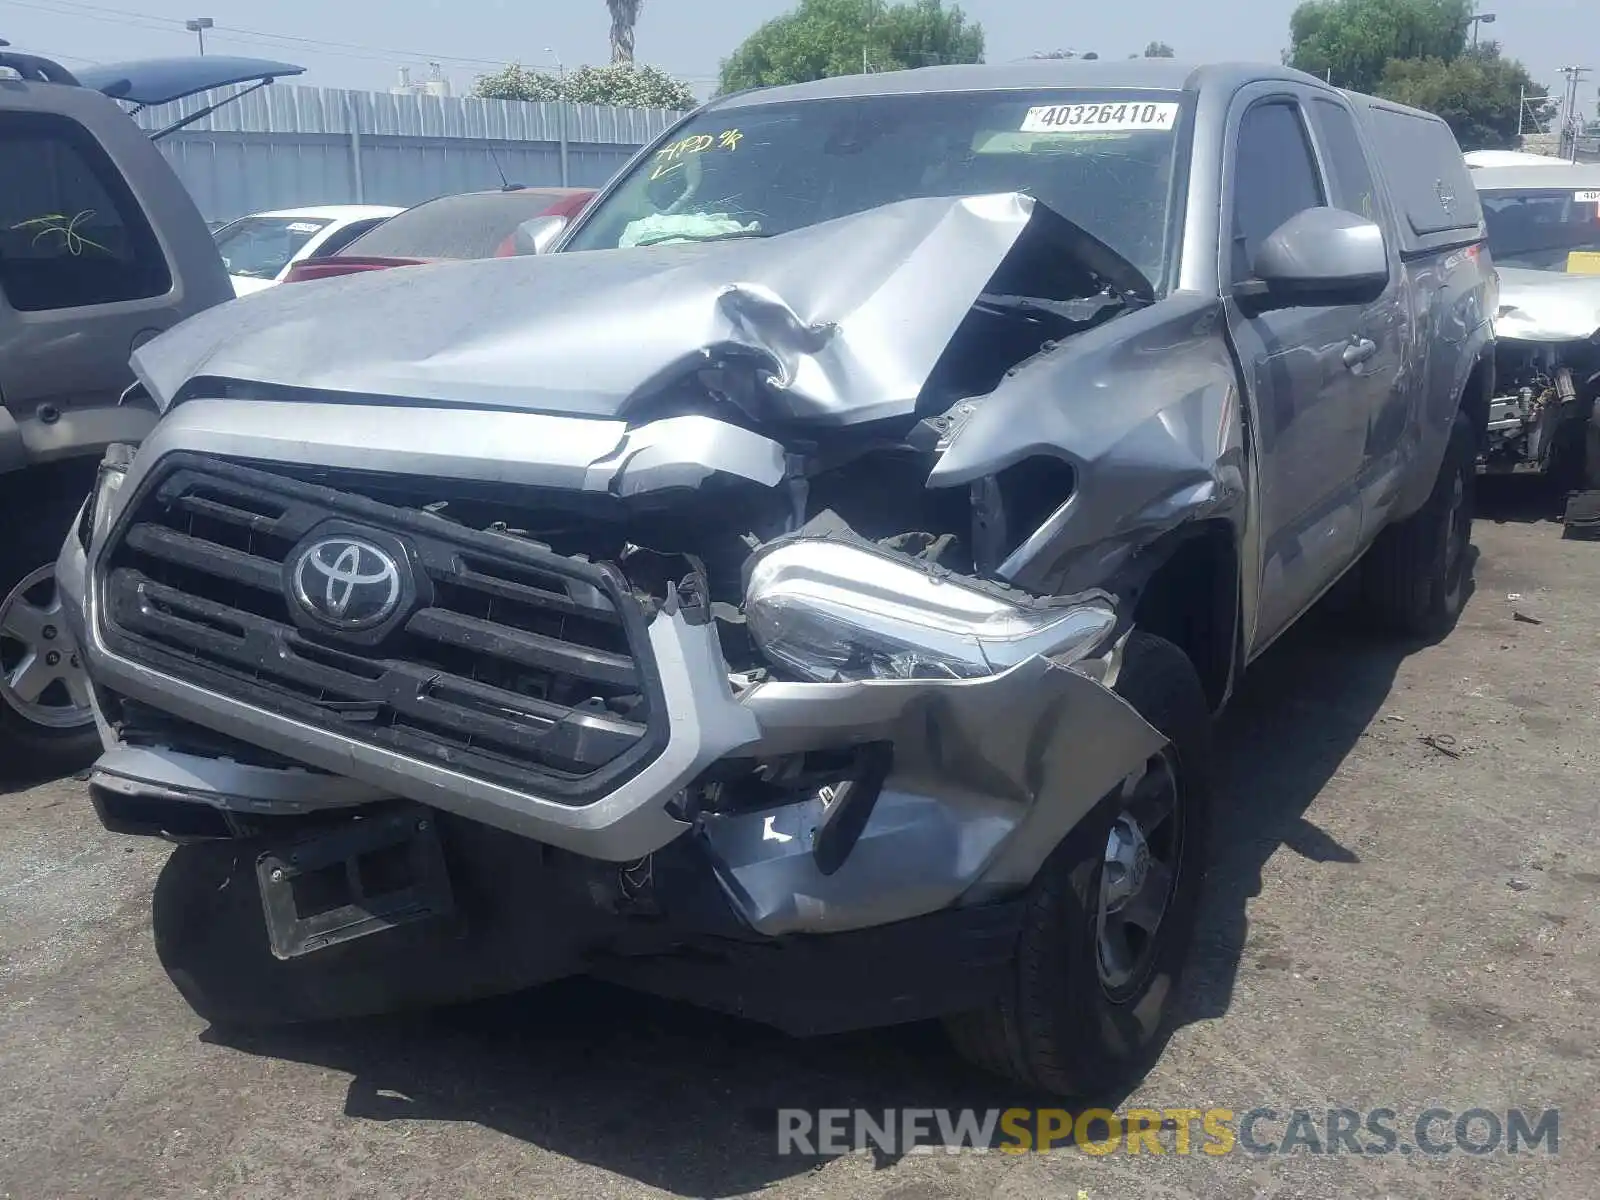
x=46, y=724
x=1414, y=578
x=1111, y=914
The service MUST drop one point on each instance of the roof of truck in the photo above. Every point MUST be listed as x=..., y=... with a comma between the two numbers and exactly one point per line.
x=1154, y=74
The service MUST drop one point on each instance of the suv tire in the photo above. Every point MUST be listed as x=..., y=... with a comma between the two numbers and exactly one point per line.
x=51, y=733
x=1068, y=1023
x=1414, y=579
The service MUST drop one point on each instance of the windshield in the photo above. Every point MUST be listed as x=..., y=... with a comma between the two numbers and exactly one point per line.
x=1551, y=229
x=1102, y=159
x=260, y=247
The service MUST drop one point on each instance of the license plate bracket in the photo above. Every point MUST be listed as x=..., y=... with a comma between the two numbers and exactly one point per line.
x=371, y=875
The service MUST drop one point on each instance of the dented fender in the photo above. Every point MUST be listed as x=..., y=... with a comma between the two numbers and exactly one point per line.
x=988, y=776
x=1146, y=409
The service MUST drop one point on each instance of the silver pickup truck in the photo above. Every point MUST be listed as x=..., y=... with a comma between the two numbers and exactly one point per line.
x=807, y=587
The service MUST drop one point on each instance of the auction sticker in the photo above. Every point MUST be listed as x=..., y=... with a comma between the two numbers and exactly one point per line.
x=1590, y=197
x=1112, y=117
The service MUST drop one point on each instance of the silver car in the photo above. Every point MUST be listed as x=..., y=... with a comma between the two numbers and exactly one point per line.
x=1544, y=234
x=807, y=588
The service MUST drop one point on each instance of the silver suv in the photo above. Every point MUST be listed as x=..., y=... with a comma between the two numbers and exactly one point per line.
x=807, y=589
x=101, y=249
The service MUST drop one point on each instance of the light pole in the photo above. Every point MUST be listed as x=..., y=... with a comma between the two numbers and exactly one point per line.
x=198, y=27
x=1571, y=124
x=1475, y=21
x=561, y=117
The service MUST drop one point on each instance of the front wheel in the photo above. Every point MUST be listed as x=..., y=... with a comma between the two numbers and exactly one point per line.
x=46, y=723
x=1111, y=914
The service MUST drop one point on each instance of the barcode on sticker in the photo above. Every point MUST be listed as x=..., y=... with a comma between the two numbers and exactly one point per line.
x=1589, y=197
x=1108, y=118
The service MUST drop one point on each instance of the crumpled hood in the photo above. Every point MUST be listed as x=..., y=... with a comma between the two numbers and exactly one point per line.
x=1547, y=306
x=842, y=322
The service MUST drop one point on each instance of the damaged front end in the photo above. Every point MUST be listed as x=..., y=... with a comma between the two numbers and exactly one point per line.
x=1547, y=371
x=707, y=636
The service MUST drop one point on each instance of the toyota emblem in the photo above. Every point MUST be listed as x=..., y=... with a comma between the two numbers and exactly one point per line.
x=347, y=583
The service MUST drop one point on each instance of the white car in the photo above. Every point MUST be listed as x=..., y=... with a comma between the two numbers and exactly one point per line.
x=258, y=250
x=1510, y=158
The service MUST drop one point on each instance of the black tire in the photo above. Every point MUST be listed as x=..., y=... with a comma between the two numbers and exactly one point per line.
x=1058, y=1027
x=39, y=506
x=1415, y=578
x=1591, y=449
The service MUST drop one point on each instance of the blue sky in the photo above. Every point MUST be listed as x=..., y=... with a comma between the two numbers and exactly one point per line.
x=362, y=43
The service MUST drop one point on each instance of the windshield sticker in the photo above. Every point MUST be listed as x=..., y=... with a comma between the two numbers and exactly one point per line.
x=671, y=156
x=1590, y=197
x=303, y=227
x=1099, y=118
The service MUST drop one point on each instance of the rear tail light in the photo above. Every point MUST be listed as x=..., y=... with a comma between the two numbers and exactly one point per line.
x=327, y=268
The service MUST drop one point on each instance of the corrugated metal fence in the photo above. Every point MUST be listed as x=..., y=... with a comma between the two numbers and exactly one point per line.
x=285, y=146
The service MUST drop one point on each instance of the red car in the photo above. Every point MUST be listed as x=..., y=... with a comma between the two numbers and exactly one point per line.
x=469, y=225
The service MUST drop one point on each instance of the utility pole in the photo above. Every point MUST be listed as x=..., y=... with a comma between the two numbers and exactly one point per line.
x=198, y=27
x=1571, y=123
x=561, y=118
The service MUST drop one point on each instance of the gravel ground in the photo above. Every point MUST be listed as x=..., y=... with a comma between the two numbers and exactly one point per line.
x=1388, y=923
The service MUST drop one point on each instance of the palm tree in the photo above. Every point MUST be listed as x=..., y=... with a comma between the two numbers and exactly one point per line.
x=624, y=16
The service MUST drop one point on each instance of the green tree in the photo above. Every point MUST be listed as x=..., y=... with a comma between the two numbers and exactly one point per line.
x=1478, y=93
x=624, y=85
x=624, y=17
x=1158, y=50
x=823, y=38
x=1352, y=41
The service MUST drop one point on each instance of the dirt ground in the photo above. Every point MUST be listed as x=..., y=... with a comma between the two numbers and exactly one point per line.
x=1403, y=912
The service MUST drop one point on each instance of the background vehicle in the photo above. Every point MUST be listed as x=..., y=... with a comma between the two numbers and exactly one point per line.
x=1544, y=234
x=1510, y=158
x=468, y=225
x=101, y=249
x=259, y=249
x=815, y=606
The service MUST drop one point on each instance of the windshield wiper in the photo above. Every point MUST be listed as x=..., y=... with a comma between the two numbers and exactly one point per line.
x=1085, y=310
x=728, y=236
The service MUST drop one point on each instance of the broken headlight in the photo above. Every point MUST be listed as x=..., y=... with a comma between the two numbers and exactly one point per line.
x=832, y=610
x=96, y=511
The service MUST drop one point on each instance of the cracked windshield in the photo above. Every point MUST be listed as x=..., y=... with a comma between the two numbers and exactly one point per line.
x=1103, y=160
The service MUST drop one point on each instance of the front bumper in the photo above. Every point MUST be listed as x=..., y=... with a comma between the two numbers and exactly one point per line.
x=987, y=774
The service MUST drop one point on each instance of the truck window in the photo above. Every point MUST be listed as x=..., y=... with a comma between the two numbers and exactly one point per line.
x=1274, y=177
x=1351, y=175
x=71, y=233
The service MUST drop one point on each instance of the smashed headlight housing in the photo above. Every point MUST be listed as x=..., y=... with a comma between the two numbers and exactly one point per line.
x=96, y=511
x=834, y=610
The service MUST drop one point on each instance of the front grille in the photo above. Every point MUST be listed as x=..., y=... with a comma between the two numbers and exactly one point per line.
x=514, y=663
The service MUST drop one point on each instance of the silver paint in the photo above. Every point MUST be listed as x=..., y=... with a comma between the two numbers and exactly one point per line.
x=564, y=332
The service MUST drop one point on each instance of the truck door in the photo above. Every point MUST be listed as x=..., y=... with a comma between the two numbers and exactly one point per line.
x=1308, y=402
x=1389, y=347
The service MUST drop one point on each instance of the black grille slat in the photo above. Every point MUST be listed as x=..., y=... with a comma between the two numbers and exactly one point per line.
x=527, y=649
x=520, y=665
x=199, y=555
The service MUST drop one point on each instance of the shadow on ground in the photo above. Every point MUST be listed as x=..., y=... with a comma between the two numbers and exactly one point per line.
x=1519, y=500
x=687, y=1101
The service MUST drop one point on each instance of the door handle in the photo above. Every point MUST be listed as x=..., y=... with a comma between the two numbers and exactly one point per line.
x=1358, y=351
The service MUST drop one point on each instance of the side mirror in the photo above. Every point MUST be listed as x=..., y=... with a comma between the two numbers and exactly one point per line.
x=536, y=236
x=1320, y=256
